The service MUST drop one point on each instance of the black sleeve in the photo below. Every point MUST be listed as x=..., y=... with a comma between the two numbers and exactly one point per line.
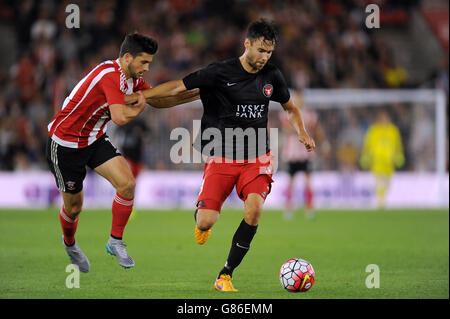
x=280, y=91
x=202, y=78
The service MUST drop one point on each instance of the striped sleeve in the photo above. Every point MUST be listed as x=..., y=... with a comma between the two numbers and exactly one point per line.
x=110, y=84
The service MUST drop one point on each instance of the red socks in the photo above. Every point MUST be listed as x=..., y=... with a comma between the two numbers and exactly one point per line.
x=288, y=204
x=69, y=227
x=121, y=211
x=308, y=198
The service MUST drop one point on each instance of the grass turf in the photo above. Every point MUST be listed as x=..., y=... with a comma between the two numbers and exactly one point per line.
x=411, y=248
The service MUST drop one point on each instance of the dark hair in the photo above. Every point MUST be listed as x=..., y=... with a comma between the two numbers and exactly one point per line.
x=263, y=28
x=136, y=43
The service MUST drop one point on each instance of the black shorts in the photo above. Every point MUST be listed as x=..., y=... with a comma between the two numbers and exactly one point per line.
x=299, y=166
x=68, y=165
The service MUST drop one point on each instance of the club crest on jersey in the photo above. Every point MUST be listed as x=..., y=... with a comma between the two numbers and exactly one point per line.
x=268, y=90
x=70, y=185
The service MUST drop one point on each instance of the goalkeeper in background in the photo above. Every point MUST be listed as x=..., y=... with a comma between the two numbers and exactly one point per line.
x=382, y=152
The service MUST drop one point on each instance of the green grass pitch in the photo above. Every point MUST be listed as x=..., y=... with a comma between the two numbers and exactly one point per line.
x=410, y=247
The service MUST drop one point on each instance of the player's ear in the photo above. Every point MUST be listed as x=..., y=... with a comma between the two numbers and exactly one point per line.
x=128, y=57
x=247, y=43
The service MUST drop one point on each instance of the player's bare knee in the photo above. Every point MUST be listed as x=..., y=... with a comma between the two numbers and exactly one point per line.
x=205, y=223
x=73, y=210
x=206, y=220
x=252, y=214
x=253, y=209
x=127, y=188
x=131, y=185
x=252, y=219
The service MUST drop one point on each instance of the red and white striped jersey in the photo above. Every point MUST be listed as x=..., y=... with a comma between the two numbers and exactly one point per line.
x=85, y=112
x=293, y=150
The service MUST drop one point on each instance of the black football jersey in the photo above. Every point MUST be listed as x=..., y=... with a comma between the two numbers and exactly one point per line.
x=235, y=108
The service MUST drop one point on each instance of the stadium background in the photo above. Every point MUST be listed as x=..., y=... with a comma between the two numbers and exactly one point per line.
x=324, y=44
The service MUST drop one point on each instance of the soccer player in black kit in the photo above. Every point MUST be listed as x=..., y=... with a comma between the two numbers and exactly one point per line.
x=235, y=95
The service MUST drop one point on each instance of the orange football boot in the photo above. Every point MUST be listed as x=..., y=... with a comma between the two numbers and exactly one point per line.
x=223, y=283
x=201, y=236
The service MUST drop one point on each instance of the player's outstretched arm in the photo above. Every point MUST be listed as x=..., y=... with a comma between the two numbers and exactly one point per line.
x=166, y=95
x=295, y=118
x=170, y=101
x=166, y=89
x=122, y=114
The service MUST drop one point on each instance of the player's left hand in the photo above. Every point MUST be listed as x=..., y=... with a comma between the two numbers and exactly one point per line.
x=309, y=143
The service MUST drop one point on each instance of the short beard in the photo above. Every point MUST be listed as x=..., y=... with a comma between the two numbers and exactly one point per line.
x=132, y=74
x=252, y=64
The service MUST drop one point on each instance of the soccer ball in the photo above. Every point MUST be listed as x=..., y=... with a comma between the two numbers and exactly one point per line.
x=297, y=275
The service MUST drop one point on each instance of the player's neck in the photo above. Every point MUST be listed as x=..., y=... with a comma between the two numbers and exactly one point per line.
x=247, y=67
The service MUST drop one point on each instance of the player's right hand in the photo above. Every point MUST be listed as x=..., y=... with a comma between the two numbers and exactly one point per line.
x=309, y=143
x=141, y=100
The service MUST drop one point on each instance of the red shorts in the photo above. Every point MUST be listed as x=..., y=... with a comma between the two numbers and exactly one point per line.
x=221, y=175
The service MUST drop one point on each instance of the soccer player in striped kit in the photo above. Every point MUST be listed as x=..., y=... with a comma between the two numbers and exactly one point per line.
x=299, y=159
x=77, y=139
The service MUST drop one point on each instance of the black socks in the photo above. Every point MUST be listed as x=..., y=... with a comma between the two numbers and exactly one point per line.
x=239, y=247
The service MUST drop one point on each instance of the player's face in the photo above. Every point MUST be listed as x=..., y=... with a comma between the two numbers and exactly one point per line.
x=259, y=52
x=383, y=117
x=139, y=64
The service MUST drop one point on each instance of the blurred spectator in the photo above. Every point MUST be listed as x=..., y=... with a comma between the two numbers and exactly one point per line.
x=349, y=142
x=298, y=159
x=422, y=134
x=130, y=138
x=44, y=28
